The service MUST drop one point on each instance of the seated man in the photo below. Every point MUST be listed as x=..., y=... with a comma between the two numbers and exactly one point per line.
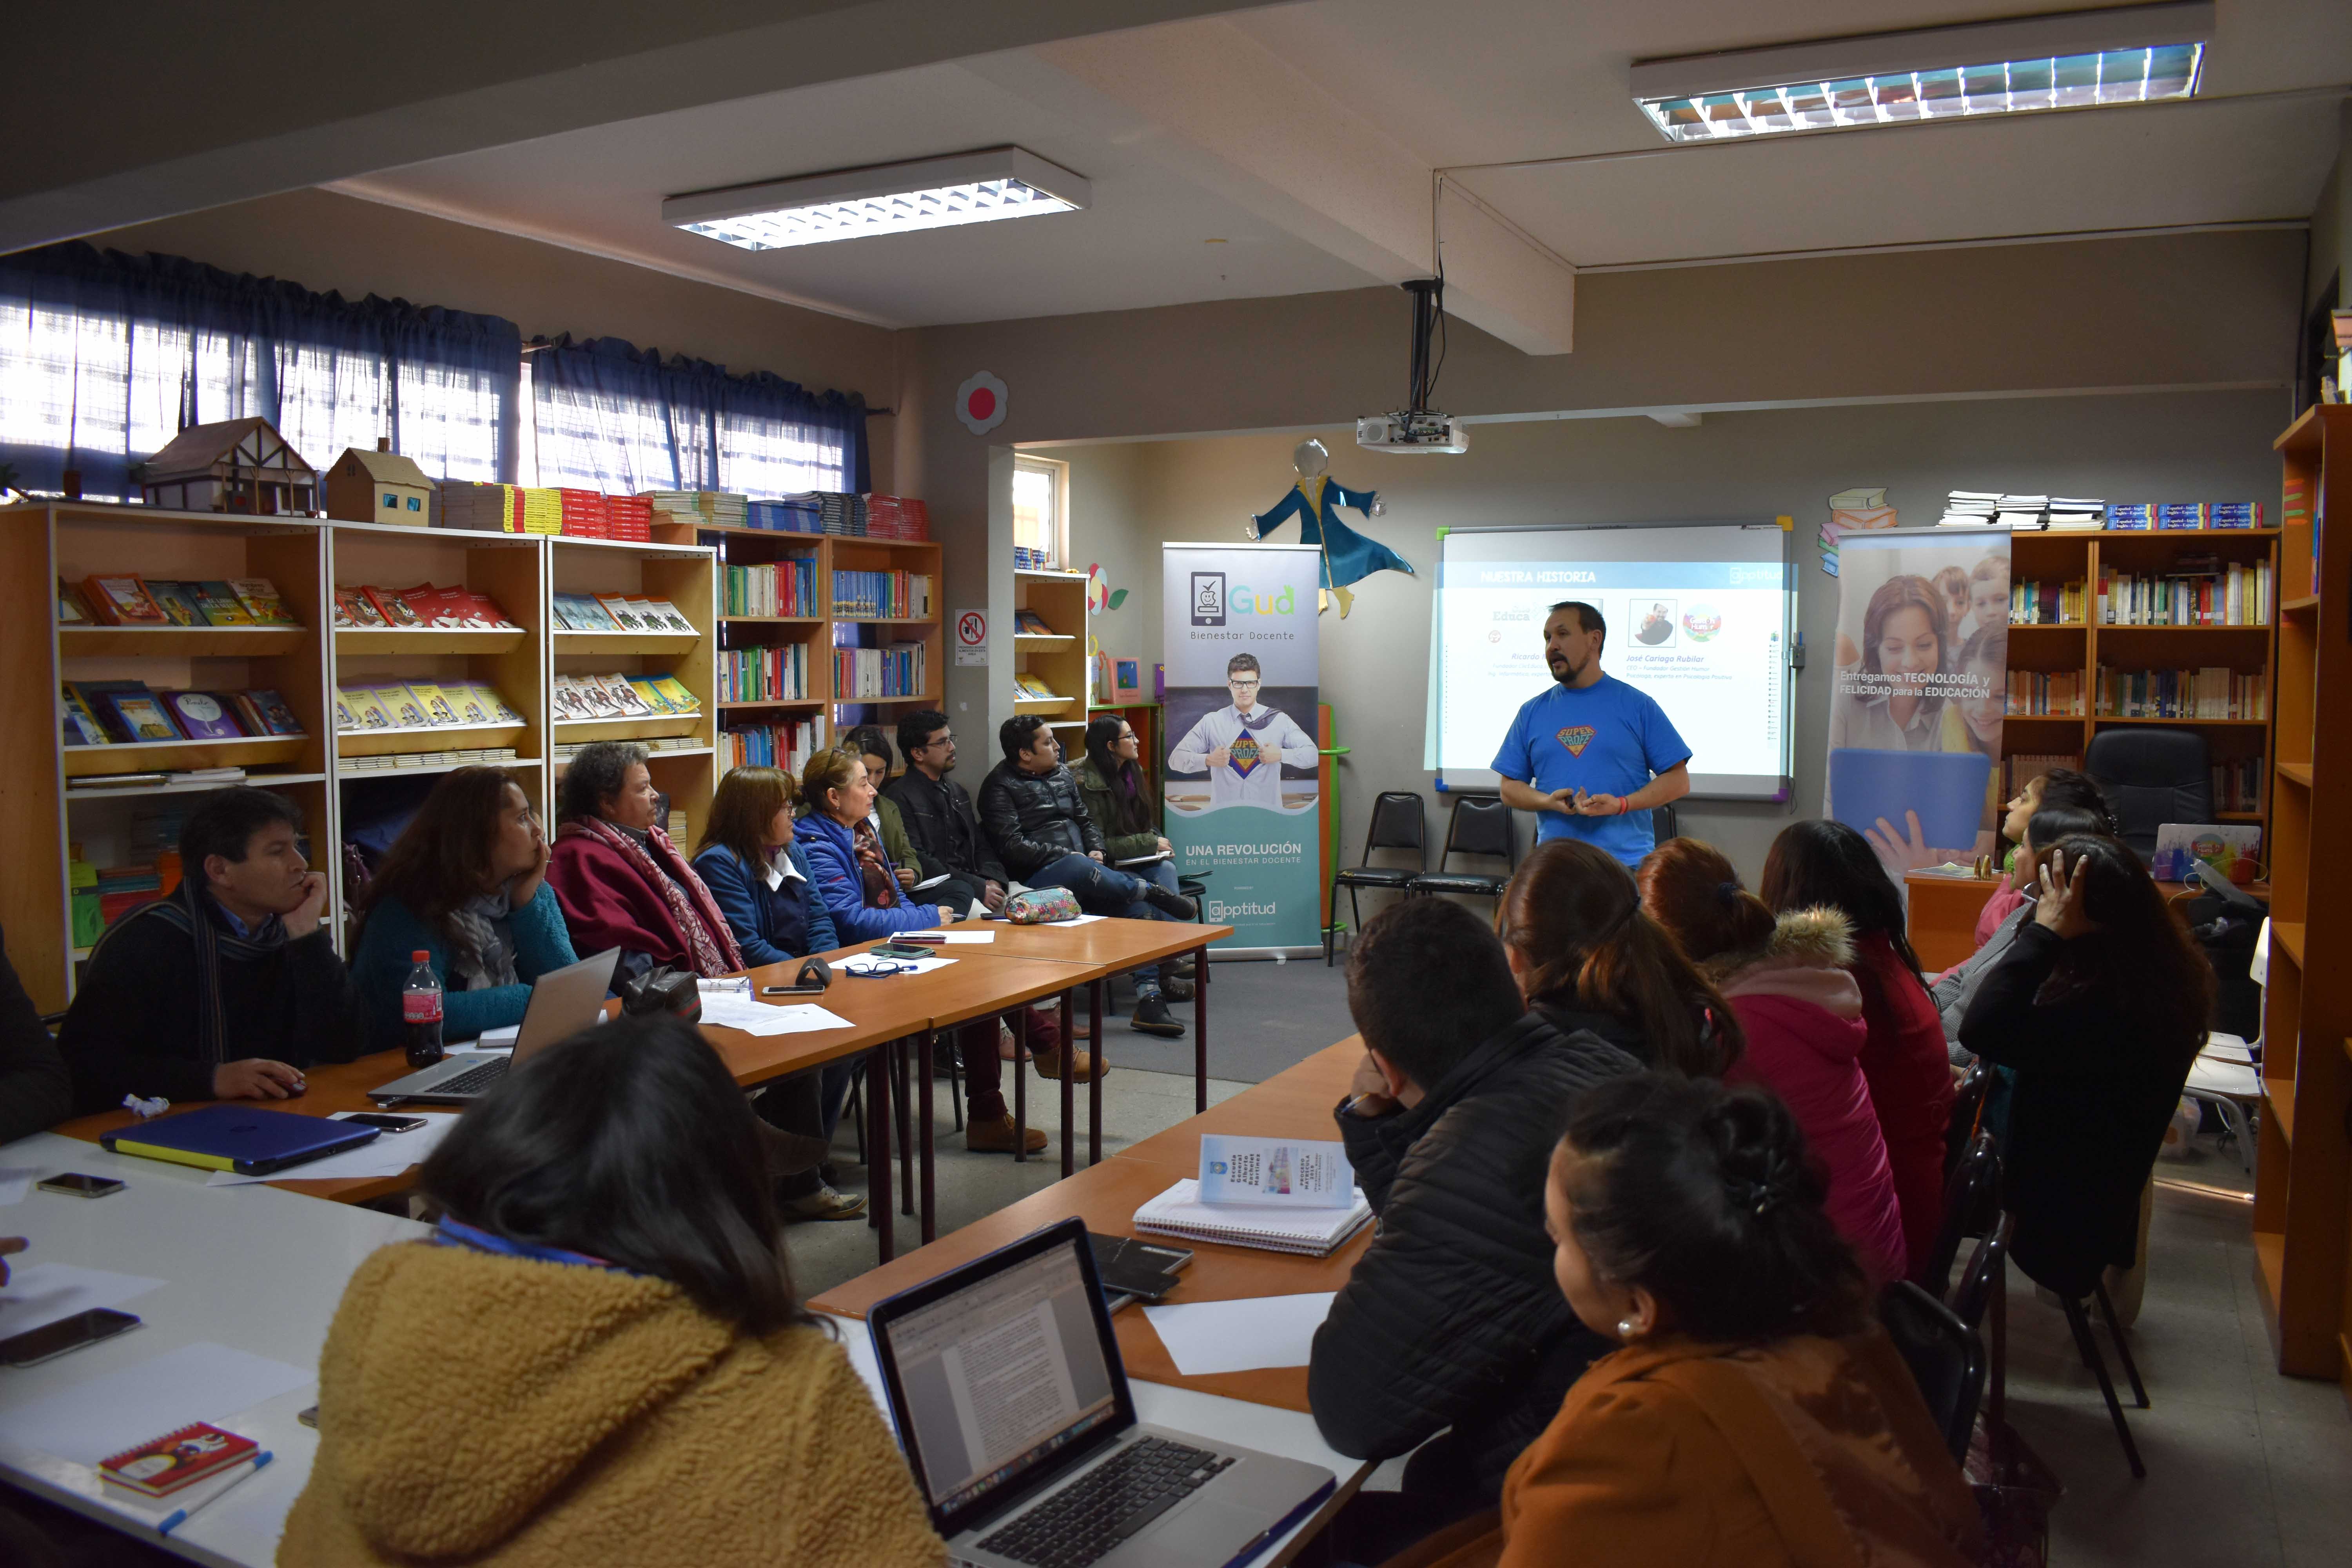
x=937, y=815
x=1030, y=805
x=35, y=1093
x=226, y=989
x=1453, y=1316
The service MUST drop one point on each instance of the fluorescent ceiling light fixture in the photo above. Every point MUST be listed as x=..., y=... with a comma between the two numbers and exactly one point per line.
x=2082, y=59
x=887, y=198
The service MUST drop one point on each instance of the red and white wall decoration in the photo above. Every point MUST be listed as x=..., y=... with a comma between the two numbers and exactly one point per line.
x=980, y=403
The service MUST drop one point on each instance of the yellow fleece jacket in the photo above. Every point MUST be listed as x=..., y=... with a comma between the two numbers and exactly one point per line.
x=480, y=1409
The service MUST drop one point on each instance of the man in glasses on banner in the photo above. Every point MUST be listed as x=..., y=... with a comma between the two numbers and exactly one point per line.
x=1243, y=746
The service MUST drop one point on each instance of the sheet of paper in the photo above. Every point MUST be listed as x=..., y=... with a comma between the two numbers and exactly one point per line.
x=39, y=1293
x=388, y=1155
x=1275, y=1173
x=755, y=1017
x=202, y=1381
x=1257, y=1331
x=16, y=1181
x=957, y=936
x=865, y=964
x=1078, y=920
x=499, y=1039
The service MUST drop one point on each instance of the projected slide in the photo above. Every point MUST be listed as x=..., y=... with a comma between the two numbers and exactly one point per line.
x=1705, y=639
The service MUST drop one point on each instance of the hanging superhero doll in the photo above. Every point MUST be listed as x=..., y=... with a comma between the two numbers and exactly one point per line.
x=1316, y=501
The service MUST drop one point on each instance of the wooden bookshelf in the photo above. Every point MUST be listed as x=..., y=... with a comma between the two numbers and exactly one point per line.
x=50, y=806
x=2302, y=1244
x=682, y=574
x=818, y=702
x=2084, y=646
x=1058, y=657
x=46, y=805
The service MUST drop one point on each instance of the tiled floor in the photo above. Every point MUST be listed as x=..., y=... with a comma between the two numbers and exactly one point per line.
x=2246, y=1468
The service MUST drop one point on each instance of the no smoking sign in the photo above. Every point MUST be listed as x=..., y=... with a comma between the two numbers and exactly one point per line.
x=972, y=636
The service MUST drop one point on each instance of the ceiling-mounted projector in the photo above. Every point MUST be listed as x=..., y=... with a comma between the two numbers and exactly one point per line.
x=1413, y=433
x=1418, y=427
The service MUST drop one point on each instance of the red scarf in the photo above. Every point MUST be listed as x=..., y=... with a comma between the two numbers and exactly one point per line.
x=690, y=903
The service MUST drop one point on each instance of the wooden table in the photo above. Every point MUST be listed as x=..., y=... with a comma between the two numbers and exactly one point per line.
x=1297, y=1101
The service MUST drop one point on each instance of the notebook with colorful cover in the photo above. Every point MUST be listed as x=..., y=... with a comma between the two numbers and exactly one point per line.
x=142, y=716
x=681, y=699
x=1316, y=1233
x=201, y=715
x=241, y=1137
x=162, y=1466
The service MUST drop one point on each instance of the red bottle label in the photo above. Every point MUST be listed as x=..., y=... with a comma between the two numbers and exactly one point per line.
x=420, y=1006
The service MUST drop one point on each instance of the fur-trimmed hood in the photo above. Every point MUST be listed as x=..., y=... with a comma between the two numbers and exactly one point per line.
x=1806, y=959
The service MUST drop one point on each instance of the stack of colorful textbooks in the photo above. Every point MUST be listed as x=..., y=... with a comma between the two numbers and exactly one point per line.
x=125, y=712
x=421, y=705
x=777, y=673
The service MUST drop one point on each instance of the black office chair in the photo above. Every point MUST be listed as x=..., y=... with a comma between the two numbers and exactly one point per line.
x=1397, y=824
x=2152, y=776
x=1946, y=1357
x=1968, y=1109
x=1481, y=825
x=1970, y=1192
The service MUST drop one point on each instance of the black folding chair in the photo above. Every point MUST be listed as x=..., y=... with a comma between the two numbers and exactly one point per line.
x=2079, y=1320
x=1946, y=1357
x=1970, y=1192
x=1481, y=825
x=1968, y=1109
x=1397, y=824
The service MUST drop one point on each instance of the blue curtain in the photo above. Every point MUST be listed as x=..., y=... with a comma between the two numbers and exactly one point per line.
x=610, y=416
x=104, y=357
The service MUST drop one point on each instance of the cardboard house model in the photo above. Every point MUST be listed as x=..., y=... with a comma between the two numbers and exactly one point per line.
x=237, y=465
x=380, y=486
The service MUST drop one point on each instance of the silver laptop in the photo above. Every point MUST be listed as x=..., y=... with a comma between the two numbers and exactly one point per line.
x=563, y=1002
x=1005, y=1382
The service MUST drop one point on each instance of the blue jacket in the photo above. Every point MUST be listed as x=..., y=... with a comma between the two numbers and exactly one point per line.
x=833, y=863
x=380, y=968
x=757, y=912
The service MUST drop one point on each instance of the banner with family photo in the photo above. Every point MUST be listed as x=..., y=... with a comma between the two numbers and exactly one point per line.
x=1921, y=686
x=1240, y=774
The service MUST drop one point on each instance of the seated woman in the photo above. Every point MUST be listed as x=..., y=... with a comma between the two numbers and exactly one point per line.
x=620, y=881
x=765, y=887
x=1588, y=956
x=1800, y=1013
x=630, y=1378
x=1957, y=986
x=1754, y=1416
x=1827, y=865
x=857, y=883
x=2052, y=787
x=1110, y=782
x=465, y=884
x=2098, y=1007
x=873, y=748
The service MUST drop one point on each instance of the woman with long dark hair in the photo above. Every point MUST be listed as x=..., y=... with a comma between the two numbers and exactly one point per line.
x=632, y=1358
x=1751, y=1412
x=1827, y=865
x=465, y=884
x=1110, y=782
x=2099, y=1008
x=1786, y=979
x=1587, y=956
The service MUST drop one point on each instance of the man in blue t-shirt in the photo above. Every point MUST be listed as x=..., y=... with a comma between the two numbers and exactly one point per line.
x=1592, y=756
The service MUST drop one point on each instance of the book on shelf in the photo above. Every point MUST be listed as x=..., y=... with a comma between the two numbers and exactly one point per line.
x=365, y=707
x=1314, y=1233
x=2040, y=693
x=200, y=716
x=626, y=698
x=2195, y=591
x=2238, y=783
x=262, y=600
x=2024, y=767
x=1032, y=686
x=77, y=726
x=774, y=588
x=402, y=706
x=778, y=671
x=649, y=694
x=397, y=613
x=681, y=698
x=2033, y=604
x=220, y=605
x=429, y=697
x=623, y=616
x=424, y=604
x=73, y=606
x=123, y=600
x=2212, y=691
x=264, y=712
x=355, y=611
x=1029, y=623
x=178, y=603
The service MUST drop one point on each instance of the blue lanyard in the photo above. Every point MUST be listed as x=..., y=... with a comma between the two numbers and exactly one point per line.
x=457, y=1233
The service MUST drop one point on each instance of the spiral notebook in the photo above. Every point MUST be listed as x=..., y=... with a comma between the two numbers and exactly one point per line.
x=1314, y=1232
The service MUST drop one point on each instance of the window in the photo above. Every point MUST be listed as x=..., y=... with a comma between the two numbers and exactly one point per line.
x=1040, y=510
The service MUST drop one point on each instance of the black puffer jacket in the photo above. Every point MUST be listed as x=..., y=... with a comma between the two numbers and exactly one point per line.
x=942, y=825
x=1453, y=1316
x=1035, y=820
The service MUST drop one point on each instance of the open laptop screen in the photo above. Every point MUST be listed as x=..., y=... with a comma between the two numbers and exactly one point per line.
x=1001, y=1376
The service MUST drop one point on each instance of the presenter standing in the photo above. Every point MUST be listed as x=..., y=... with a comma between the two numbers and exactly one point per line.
x=1592, y=756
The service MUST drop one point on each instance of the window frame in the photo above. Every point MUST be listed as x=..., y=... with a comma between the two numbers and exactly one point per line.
x=1058, y=525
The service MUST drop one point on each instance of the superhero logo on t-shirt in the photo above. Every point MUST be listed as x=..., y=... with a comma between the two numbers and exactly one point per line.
x=1245, y=755
x=1575, y=738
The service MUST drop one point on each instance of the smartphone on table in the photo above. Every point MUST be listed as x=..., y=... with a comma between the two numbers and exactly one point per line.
x=387, y=1122
x=53, y=1340
x=74, y=1184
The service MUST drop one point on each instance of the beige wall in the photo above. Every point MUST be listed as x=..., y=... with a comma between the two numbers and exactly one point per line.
x=329, y=242
x=1736, y=466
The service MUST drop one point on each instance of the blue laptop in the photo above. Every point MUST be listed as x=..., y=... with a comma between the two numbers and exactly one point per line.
x=241, y=1137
